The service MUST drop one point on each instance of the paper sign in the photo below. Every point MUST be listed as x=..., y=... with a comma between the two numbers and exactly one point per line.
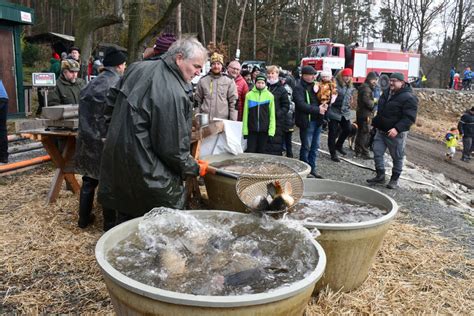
x=25, y=16
x=44, y=79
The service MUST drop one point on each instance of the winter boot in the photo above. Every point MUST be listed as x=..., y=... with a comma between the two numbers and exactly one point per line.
x=334, y=157
x=393, y=183
x=341, y=151
x=379, y=178
x=110, y=218
x=86, y=201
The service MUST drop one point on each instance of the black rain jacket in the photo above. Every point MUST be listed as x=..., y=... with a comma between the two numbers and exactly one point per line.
x=147, y=151
x=94, y=116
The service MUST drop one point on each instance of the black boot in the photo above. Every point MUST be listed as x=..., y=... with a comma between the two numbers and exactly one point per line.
x=379, y=178
x=393, y=183
x=110, y=218
x=86, y=200
x=334, y=157
x=341, y=151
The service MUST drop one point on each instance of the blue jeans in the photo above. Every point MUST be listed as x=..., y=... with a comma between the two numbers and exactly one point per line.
x=310, y=144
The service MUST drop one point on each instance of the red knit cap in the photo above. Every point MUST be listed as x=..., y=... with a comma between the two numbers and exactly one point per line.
x=346, y=72
x=56, y=56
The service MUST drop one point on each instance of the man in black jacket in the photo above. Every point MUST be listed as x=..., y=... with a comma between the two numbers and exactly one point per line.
x=397, y=111
x=94, y=116
x=466, y=129
x=308, y=117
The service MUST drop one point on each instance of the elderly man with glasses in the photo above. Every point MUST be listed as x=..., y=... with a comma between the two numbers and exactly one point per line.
x=233, y=70
x=397, y=109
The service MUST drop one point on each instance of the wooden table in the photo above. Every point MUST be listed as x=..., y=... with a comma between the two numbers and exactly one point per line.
x=62, y=160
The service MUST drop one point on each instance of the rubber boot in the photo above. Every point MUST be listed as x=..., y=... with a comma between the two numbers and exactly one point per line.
x=110, y=218
x=379, y=178
x=393, y=183
x=86, y=200
x=334, y=157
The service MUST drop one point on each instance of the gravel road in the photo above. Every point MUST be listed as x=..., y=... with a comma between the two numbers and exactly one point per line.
x=420, y=207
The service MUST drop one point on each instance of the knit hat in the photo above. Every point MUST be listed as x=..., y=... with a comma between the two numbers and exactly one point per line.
x=261, y=76
x=74, y=48
x=308, y=70
x=56, y=56
x=371, y=76
x=63, y=55
x=398, y=76
x=113, y=57
x=70, y=64
x=217, y=58
x=346, y=72
x=326, y=73
x=164, y=42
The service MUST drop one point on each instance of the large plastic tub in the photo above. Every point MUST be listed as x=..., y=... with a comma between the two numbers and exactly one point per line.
x=350, y=247
x=130, y=297
x=221, y=190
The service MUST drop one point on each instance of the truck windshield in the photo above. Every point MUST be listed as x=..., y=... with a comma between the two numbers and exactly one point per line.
x=319, y=51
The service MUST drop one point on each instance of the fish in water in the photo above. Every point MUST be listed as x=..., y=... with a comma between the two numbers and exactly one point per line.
x=281, y=196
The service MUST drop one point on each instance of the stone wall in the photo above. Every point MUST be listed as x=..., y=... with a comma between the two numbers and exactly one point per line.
x=449, y=101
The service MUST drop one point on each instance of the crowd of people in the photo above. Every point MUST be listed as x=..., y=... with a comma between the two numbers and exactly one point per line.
x=455, y=81
x=135, y=126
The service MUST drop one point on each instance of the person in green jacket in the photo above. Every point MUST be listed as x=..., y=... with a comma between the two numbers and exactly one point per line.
x=68, y=86
x=55, y=66
x=258, y=121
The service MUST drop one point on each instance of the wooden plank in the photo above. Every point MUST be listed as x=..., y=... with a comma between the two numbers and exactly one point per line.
x=24, y=125
x=212, y=129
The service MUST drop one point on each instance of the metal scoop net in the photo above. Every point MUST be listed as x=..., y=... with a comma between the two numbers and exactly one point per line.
x=251, y=186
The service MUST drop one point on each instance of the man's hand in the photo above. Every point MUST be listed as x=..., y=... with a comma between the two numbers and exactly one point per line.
x=203, y=165
x=323, y=108
x=392, y=133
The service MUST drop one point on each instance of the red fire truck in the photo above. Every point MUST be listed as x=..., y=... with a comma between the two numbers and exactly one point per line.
x=383, y=58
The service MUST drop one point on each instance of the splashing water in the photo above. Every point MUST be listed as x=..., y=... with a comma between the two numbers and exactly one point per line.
x=218, y=254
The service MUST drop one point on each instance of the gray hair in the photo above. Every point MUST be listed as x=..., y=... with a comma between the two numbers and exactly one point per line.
x=189, y=47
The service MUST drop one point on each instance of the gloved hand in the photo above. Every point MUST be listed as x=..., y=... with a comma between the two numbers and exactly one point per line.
x=270, y=139
x=203, y=165
x=246, y=136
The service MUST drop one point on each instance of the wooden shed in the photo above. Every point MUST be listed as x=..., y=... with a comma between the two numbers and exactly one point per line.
x=12, y=19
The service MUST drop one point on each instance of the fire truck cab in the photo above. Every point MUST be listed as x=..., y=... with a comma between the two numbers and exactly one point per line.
x=383, y=58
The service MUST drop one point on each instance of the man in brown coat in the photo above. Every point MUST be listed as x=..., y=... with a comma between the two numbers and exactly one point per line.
x=365, y=107
x=216, y=93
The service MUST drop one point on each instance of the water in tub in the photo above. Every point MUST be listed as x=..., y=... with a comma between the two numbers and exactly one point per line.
x=258, y=165
x=334, y=208
x=221, y=254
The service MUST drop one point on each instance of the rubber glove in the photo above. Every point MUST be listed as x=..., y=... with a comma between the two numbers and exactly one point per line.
x=203, y=165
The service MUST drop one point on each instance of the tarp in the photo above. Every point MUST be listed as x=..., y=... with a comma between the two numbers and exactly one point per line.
x=230, y=141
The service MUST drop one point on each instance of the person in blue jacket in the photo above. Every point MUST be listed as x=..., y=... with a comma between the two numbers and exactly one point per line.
x=3, y=123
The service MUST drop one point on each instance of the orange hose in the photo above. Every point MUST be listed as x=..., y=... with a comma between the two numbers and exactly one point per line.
x=25, y=163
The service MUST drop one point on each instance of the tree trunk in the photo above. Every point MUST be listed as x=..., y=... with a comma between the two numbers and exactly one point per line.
x=135, y=10
x=214, y=21
x=225, y=20
x=178, y=21
x=254, y=50
x=239, y=31
x=88, y=22
x=161, y=22
x=201, y=18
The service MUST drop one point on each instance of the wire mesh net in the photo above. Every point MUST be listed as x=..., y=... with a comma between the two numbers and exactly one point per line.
x=250, y=186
